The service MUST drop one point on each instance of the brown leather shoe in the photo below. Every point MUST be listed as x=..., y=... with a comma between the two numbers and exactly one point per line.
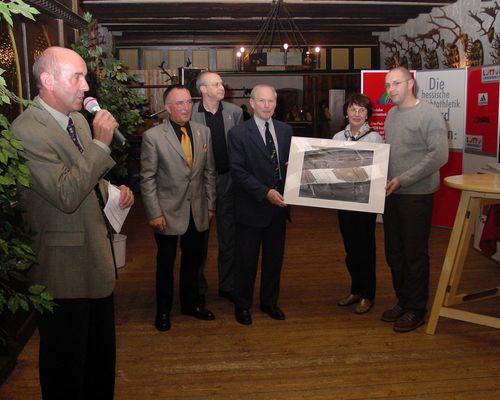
x=409, y=322
x=349, y=300
x=393, y=314
x=364, y=306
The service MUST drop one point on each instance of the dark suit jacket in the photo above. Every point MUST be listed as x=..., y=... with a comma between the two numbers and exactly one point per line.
x=70, y=237
x=252, y=170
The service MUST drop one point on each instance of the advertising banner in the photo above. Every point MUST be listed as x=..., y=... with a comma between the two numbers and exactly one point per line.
x=446, y=90
x=373, y=86
x=481, y=139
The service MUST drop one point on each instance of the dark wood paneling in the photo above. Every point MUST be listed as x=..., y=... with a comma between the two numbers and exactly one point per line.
x=180, y=23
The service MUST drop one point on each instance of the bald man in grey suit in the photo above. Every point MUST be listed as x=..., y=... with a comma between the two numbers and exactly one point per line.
x=220, y=116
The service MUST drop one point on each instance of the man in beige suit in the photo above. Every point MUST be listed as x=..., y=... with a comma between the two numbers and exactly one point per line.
x=178, y=190
x=74, y=254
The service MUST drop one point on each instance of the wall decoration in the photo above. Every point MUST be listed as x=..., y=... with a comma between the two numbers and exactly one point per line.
x=451, y=51
x=462, y=34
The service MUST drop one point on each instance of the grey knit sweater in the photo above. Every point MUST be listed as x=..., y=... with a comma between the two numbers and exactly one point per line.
x=419, y=147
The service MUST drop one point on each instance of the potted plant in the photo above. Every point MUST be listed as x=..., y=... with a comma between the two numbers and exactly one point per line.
x=110, y=83
x=16, y=256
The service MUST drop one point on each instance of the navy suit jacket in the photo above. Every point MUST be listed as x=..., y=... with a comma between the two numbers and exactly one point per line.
x=252, y=170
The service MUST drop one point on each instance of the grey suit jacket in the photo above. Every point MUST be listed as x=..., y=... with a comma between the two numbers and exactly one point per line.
x=74, y=258
x=232, y=115
x=168, y=186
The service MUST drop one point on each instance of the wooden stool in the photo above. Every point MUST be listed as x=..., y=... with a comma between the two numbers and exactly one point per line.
x=477, y=190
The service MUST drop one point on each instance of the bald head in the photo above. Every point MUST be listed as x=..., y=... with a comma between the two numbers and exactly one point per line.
x=60, y=78
x=403, y=71
x=49, y=62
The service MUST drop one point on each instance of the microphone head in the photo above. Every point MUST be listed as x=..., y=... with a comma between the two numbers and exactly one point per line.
x=91, y=105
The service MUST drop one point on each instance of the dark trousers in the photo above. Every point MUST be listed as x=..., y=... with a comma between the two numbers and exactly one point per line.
x=407, y=226
x=358, y=233
x=248, y=243
x=225, y=236
x=191, y=259
x=77, y=350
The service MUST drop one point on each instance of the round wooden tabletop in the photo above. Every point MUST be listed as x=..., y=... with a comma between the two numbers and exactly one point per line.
x=486, y=183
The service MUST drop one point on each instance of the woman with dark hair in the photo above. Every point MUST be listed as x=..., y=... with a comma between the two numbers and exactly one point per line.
x=358, y=228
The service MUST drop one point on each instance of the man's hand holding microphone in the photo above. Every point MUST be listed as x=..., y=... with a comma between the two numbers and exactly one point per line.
x=104, y=124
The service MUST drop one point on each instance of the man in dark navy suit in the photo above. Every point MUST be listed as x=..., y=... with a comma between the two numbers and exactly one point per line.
x=258, y=155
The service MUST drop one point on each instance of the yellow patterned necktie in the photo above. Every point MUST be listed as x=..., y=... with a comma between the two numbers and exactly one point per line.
x=186, y=146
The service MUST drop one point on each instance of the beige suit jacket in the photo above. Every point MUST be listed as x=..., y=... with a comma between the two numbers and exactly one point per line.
x=168, y=186
x=74, y=258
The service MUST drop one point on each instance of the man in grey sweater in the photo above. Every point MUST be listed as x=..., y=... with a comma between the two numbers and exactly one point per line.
x=417, y=134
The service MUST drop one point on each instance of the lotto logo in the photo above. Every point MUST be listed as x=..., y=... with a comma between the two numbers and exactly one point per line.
x=490, y=74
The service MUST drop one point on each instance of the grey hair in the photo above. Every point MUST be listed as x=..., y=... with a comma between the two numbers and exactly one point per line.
x=200, y=80
x=260, y=86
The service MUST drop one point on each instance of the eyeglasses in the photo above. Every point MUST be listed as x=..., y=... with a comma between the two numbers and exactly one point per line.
x=180, y=103
x=216, y=84
x=357, y=110
x=388, y=85
x=266, y=101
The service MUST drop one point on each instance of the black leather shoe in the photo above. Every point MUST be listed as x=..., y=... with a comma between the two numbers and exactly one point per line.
x=274, y=312
x=226, y=295
x=200, y=313
x=162, y=322
x=243, y=316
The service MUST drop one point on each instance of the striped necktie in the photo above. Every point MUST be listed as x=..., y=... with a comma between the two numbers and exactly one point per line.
x=72, y=134
x=271, y=149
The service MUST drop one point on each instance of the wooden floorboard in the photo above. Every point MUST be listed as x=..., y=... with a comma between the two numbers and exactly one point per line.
x=320, y=352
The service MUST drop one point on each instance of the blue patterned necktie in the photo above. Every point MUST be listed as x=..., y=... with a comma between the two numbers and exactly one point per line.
x=72, y=134
x=271, y=149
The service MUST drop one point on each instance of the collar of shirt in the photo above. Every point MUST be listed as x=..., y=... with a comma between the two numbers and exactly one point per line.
x=201, y=108
x=177, y=129
x=362, y=129
x=261, y=125
x=60, y=118
x=63, y=120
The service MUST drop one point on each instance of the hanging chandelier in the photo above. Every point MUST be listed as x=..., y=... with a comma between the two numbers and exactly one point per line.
x=279, y=45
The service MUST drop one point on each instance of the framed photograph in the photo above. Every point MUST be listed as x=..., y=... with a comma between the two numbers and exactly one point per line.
x=337, y=174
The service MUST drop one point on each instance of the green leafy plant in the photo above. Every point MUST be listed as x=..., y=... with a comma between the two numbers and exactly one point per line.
x=110, y=83
x=16, y=256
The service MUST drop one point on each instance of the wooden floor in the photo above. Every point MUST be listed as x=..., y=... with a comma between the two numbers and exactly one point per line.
x=321, y=351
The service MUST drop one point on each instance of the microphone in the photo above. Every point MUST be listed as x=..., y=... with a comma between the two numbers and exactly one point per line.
x=92, y=106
